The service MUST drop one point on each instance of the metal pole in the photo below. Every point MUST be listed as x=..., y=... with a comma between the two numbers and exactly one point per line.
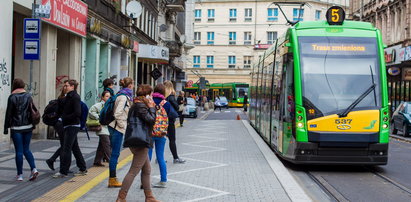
x=31, y=61
x=361, y=9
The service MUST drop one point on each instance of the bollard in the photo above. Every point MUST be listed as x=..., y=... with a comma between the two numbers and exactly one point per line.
x=238, y=117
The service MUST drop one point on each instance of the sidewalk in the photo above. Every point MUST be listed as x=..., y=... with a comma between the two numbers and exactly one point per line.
x=224, y=163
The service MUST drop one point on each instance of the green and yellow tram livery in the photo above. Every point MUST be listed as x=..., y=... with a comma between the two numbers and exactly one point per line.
x=319, y=95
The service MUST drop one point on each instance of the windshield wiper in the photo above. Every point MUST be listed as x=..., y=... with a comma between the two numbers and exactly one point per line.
x=357, y=101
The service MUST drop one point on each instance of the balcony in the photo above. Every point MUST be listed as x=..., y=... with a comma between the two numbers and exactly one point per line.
x=176, y=5
x=174, y=48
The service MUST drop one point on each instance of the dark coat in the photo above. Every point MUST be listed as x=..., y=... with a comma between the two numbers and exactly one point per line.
x=146, y=115
x=173, y=102
x=70, y=109
x=18, y=111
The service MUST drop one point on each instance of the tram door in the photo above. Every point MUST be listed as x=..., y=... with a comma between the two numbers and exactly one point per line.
x=287, y=108
x=216, y=93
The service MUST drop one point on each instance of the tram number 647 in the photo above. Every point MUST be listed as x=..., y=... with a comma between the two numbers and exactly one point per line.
x=343, y=121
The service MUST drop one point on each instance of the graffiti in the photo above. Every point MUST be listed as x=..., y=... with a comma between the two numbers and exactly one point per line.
x=100, y=80
x=60, y=80
x=4, y=75
x=33, y=89
x=88, y=96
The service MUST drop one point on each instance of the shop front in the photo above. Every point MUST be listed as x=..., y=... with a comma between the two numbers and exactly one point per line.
x=150, y=57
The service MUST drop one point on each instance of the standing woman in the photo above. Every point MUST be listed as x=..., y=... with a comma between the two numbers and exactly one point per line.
x=171, y=131
x=182, y=101
x=117, y=128
x=144, y=109
x=103, y=149
x=18, y=119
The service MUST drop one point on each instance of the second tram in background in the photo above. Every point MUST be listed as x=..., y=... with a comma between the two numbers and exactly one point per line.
x=319, y=94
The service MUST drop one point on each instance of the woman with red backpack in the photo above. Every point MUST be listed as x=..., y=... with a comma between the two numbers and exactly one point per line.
x=164, y=111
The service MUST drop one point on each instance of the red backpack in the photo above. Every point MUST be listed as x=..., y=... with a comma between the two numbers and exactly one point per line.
x=161, y=124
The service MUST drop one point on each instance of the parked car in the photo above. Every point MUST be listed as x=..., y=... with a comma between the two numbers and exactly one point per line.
x=401, y=119
x=224, y=102
x=191, y=107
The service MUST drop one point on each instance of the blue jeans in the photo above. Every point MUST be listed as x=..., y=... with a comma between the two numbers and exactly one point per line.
x=21, y=143
x=159, y=144
x=116, y=139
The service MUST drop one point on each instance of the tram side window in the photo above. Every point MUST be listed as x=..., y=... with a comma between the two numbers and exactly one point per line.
x=289, y=101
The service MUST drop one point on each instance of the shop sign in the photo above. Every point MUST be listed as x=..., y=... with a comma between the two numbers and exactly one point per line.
x=407, y=55
x=135, y=46
x=95, y=26
x=262, y=46
x=153, y=52
x=68, y=14
x=392, y=54
x=394, y=71
x=406, y=74
x=125, y=41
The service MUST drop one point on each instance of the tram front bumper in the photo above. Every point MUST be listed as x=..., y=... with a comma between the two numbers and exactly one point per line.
x=315, y=153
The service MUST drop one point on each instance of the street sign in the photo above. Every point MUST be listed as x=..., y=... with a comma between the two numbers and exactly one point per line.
x=31, y=28
x=31, y=49
x=42, y=11
x=156, y=74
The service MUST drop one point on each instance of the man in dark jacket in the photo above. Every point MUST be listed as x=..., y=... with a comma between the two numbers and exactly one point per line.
x=70, y=110
x=245, y=102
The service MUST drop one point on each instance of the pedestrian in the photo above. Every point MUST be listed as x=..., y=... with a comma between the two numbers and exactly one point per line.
x=108, y=85
x=117, y=128
x=217, y=103
x=70, y=110
x=171, y=131
x=182, y=102
x=160, y=139
x=103, y=149
x=18, y=119
x=145, y=111
x=58, y=127
x=245, y=102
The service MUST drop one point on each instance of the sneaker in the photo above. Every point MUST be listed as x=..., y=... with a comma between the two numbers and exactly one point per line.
x=34, y=174
x=160, y=185
x=19, y=177
x=80, y=173
x=50, y=163
x=98, y=165
x=59, y=175
x=179, y=160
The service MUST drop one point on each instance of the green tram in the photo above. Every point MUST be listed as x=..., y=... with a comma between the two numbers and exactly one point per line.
x=319, y=95
x=234, y=92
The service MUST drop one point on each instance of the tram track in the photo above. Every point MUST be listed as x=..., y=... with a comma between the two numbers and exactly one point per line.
x=331, y=192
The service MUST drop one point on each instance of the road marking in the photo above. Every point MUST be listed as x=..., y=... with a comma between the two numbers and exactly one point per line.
x=227, y=111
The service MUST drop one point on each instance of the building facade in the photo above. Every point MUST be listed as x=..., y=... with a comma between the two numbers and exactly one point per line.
x=393, y=18
x=89, y=40
x=229, y=35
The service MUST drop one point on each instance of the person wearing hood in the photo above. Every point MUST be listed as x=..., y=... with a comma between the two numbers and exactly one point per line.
x=117, y=128
x=18, y=119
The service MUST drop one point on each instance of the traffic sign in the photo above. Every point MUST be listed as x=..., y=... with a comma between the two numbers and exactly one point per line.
x=31, y=28
x=31, y=49
x=156, y=74
x=42, y=11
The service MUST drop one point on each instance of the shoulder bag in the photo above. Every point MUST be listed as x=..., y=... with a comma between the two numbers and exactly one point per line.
x=35, y=114
x=137, y=132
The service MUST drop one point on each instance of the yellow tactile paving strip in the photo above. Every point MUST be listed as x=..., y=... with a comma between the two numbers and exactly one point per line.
x=78, y=186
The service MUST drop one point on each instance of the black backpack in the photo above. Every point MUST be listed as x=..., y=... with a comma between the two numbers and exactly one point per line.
x=50, y=115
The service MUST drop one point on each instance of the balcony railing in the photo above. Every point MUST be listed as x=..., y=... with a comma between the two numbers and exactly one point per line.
x=176, y=5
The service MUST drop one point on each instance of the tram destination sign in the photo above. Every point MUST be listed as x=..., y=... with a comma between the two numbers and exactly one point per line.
x=338, y=48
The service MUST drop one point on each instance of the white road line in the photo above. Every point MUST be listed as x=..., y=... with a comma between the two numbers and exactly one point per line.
x=227, y=111
x=208, y=197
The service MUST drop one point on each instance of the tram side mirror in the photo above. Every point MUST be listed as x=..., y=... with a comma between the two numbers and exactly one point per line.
x=288, y=44
x=384, y=45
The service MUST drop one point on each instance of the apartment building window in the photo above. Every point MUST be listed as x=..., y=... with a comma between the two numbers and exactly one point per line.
x=196, y=61
x=197, y=38
x=272, y=14
x=317, y=15
x=197, y=15
x=210, y=38
x=298, y=14
x=247, y=61
x=232, y=38
x=233, y=15
x=210, y=61
x=231, y=62
x=247, y=38
x=271, y=37
x=211, y=15
x=248, y=15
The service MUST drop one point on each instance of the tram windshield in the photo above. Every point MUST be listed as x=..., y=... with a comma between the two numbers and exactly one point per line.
x=336, y=71
x=241, y=91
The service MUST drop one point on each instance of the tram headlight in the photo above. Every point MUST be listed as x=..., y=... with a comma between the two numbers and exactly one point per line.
x=384, y=126
x=300, y=125
x=299, y=118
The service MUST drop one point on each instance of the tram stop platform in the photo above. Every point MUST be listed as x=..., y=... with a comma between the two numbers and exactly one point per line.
x=226, y=160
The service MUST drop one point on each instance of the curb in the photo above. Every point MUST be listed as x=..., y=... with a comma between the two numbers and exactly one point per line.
x=294, y=191
x=397, y=137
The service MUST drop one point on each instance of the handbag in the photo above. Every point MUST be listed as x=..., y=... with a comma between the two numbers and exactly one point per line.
x=137, y=132
x=95, y=128
x=92, y=122
x=35, y=114
x=185, y=111
x=181, y=108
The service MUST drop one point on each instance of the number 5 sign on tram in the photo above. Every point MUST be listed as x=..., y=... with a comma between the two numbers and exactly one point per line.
x=335, y=15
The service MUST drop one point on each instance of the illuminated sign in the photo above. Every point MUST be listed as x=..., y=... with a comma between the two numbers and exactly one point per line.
x=342, y=47
x=335, y=15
